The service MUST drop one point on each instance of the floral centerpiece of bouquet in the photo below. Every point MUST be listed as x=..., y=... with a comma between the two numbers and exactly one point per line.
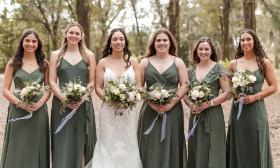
x=241, y=83
x=200, y=93
x=122, y=94
x=29, y=92
x=159, y=94
x=74, y=92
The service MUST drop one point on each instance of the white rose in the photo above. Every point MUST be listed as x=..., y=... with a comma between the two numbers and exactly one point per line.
x=194, y=94
x=23, y=92
x=241, y=83
x=252, y=78
x=131, y=96
x=235, y=85
x=123, y=97
x=82, y=88
x=114, y=90
x=234, y=79
x=138, y=97
x=164, y=93
x=122, y=86
x=201, y=94
x=156, y=94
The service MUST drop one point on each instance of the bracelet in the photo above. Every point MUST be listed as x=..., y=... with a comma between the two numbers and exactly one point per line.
x=211, y=103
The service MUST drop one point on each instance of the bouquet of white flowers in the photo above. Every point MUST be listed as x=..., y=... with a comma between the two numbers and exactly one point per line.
x=73, y=91
x=200, y=93
x=159, y=94
x=241, y=83
x=31, y=90
x=122, y=94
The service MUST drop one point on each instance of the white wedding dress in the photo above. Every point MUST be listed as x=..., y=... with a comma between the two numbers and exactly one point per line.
x=117, y=145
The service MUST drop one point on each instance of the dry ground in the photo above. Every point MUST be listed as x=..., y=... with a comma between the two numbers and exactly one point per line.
x=272, y=104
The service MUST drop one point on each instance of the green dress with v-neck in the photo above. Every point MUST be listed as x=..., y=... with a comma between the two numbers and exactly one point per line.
x=207, y=146
x=171, y=152
x=248, y=142
x=26, y=142
x=74, y=144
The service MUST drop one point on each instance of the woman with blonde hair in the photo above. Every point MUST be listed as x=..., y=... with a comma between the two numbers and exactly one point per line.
x=73, y=145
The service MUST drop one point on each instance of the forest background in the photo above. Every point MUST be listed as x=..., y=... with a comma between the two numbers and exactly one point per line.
x=188, y=20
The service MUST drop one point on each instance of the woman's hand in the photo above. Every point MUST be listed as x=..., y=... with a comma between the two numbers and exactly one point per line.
x=156, y=107
x=35, y=106
x=249, y=99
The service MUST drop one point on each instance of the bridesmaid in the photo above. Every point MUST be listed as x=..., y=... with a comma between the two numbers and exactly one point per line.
x=26, y=142
x=161, y=65
x=207, y=146
x=73, y=146
x=248, y=137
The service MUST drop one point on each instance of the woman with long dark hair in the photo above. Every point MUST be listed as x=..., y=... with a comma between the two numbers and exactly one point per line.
x=248, y=137
x=162, y=65
x=117, y=144
x=73, y=145
x=207, y=139
x=26, y=142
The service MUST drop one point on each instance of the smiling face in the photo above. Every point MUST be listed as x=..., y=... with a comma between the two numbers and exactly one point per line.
x=247, y=42
x=118, y=41
x=162, y=43
x=73, y=35
x=204, y=51
x=30, y=43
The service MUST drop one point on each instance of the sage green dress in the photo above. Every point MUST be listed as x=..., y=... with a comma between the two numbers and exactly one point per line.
x=74, y=144
x=248, y=137
x=207, y=146
x=171, y=152
x=26, y=142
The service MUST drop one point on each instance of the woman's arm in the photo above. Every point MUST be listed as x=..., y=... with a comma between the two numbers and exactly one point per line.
x=92, y=66
x=271, y=80
x=99, y=79
x=53, y=77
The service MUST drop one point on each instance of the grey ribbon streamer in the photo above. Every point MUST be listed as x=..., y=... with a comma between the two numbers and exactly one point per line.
x=21, y=118
x=163, y=126
x=65, y=120
x=240, y=103
x=195, y=122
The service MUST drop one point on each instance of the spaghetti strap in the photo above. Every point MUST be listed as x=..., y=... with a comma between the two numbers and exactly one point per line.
x=235, y=65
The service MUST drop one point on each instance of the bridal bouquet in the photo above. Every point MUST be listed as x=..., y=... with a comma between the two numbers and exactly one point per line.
x=159, y=94
x=122, y=94
x=31, y=90
x=73, y=91
x=200, y=93
x=241, y=83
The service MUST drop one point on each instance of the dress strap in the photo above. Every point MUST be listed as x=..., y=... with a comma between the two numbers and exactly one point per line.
x=235, y=65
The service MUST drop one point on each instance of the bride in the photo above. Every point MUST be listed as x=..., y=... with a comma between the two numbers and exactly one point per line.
x=117, y=146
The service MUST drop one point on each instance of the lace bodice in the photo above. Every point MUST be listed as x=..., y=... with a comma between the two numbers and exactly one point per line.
x=111, y=75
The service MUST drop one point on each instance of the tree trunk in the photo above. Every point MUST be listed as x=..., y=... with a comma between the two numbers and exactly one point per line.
x=83, y=16
x=159, y=10
x=174, y=18
x=138, y=37
x=249, y=7
x=225, y=29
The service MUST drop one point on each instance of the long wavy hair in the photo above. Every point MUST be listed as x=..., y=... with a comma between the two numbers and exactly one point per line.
x=126, y=52
x=258, y=49
x=213, y=56
x=81, y=44
x=16, y=60
x=172, y=49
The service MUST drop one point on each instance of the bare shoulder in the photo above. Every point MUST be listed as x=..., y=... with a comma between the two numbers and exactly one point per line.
x=232, y=64
x=179, y=62
x=133, y=61
x=144, y=62
x=90, y=53
x=54, y=55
